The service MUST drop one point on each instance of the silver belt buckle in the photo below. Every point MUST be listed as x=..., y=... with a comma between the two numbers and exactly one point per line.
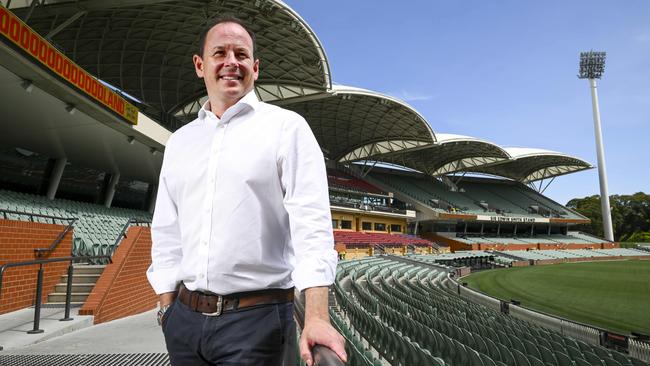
x=219, y=307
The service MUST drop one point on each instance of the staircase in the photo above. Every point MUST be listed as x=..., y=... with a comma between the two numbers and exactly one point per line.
x=84, y=278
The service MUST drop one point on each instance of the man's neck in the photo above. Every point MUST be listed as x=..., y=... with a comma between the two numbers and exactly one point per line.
x=218, y=108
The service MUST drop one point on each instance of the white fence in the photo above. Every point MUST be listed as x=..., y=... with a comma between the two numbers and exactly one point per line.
x=582, y=332
x=640, y=350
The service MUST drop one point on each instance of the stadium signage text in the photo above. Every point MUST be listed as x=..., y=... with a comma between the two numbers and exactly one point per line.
x=14, y=30
x=511, y=219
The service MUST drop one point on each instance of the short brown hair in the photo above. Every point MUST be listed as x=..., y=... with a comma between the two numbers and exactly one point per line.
x=223, y=19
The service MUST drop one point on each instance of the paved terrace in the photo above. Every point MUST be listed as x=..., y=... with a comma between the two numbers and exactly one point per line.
x=136, y=334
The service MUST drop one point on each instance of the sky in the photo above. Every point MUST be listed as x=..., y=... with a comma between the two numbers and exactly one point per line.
x=505, y=71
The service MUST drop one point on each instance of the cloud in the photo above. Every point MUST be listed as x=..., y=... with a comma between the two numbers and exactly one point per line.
x=412, y=97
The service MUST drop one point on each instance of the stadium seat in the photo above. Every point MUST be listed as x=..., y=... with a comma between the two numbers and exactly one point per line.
x=520, y=358
x=636, y=362
x=532, y=349
x=517, y=344
x=574, y=353
x=547, y=355
x=487, y=361
x=558, y=347
x=460, y=353
x=506, y=355
x=611, y=362
x=601, y=352
x=493, y=350
x=563, y=359
x=582, y=362
x=593, y=359
x=534, y=361
x=474, y=359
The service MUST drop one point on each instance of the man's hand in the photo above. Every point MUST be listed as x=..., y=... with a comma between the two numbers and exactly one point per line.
x=318, y=329
x=167, y=298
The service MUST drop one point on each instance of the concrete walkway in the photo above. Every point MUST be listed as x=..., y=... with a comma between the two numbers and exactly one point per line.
x=14, y=326
x=135, y=334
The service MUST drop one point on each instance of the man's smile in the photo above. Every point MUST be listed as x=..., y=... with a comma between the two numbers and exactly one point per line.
x=230, y=77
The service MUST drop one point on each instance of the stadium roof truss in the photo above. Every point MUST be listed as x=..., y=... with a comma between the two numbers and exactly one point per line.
x=449, y=154
x=352, y=124
x=529, y=165
x=144, y=47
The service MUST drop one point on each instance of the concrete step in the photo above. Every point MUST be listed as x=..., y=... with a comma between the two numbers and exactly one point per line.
x=81, y=278
x=76, y=287
x=88, y=269
x=60, y=297
x=61, y=304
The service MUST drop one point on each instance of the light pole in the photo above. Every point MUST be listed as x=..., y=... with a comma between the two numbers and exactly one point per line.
x=592, y=65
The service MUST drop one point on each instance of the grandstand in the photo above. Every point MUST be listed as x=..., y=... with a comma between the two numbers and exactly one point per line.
x=578, y=254
x=396, y=186
x=96, y=230
x=411, y=314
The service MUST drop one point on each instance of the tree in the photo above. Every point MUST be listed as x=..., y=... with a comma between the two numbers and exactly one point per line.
x=630, y=215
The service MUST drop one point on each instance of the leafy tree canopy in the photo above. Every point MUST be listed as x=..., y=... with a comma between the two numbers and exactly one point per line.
x=630, y=216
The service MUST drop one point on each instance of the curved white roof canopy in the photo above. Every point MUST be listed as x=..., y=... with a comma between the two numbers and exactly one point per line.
x=528, y=165
x=449, y=154
x=145, y=48
x=350, y=123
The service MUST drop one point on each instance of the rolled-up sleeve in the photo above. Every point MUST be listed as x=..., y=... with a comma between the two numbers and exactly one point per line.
x=166, y=249
x=306, y=200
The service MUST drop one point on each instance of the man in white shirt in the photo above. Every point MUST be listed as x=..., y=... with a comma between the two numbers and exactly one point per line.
x=242, y=216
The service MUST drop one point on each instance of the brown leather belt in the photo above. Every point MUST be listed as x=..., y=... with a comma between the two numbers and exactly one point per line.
x=214, y=305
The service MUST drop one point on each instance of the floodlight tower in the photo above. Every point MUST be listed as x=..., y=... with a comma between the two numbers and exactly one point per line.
x=592, y=65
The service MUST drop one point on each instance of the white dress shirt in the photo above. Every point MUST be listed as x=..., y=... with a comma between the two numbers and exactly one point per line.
x=242, y=204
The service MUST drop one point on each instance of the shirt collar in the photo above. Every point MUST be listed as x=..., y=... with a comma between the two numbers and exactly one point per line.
x=249, y=100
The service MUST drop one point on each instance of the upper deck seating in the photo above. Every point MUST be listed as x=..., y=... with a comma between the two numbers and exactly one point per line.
x=430, y=192
x=476, y=196
x=338, y=179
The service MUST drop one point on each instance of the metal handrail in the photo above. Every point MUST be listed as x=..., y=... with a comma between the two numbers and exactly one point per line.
x=43, y=251
x=122, y=234
x=32, y=215
x=39, y=284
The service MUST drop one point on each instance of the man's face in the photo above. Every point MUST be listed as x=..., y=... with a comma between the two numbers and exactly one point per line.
x=227, y=65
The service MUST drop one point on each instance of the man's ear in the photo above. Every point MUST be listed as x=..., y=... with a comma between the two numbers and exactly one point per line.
x=256, y=69
x=198, y=65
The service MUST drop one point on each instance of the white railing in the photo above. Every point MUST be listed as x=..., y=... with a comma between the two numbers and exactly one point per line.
x=581, y=332
x=640, y=350
x=568, y=328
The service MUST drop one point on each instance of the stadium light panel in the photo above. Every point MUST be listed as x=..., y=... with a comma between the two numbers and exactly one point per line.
x=592, y=65
x=70, y=108
x=28, y=85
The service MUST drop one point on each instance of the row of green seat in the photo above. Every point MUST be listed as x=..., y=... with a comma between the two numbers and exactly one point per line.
x=407, y=299
x=96, y=230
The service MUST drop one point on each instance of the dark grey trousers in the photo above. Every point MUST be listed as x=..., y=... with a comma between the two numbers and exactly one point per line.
x=250, y=336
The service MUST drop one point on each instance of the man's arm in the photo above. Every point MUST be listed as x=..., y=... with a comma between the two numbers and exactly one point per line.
x=306, y=199
x=318, y=329
x=166, y=248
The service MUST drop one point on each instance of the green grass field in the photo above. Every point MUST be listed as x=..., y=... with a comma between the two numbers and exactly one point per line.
x=614, y=295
